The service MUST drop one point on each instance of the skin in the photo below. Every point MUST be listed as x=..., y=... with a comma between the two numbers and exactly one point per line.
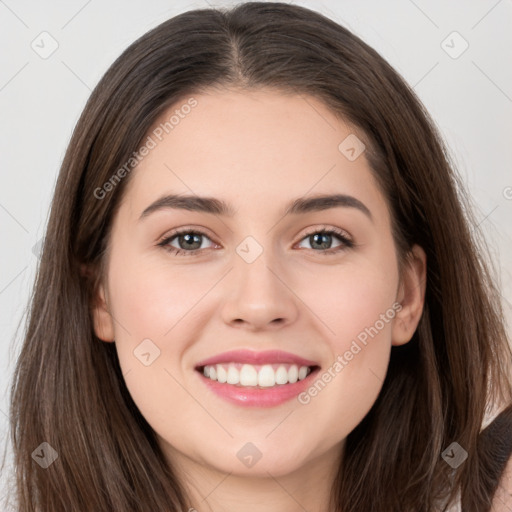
x=256, y=150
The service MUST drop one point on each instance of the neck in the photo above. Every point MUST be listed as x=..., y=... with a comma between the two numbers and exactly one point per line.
x=305, y=488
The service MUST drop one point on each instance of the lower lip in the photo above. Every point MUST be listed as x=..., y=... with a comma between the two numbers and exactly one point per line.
x=258, y=397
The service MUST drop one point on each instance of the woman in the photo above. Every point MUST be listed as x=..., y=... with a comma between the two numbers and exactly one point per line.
x=334, y=342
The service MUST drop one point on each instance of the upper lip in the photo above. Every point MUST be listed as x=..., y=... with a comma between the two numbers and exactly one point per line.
x=252, y=357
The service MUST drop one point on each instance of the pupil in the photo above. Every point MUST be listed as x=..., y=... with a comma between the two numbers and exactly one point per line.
x=191, y=239
x=324, y=245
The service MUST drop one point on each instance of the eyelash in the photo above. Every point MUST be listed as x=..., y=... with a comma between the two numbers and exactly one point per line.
x=341, y=235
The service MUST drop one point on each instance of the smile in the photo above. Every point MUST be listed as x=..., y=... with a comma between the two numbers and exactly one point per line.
x=248, y=375
x=256, y=379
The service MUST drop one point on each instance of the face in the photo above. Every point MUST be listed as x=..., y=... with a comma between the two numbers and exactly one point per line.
x=303, y=320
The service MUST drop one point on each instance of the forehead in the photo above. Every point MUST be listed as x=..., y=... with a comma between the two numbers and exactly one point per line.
x=248, y=144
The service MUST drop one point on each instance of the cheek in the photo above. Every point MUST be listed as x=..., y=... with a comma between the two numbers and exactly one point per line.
x=152, y=298
x=357, y=309
x=153, y=319
x=156, y=311
x=347, y=387
x=346, y=391
x=352, y=296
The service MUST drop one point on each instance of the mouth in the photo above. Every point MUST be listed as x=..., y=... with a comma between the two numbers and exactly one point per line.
x=258, y=379
x=256, y=376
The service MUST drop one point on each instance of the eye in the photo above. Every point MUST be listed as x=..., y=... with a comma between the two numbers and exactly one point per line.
x=188, y=240
x=322, y=239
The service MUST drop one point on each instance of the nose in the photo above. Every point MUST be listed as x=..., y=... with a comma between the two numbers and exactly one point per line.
x=259, y=296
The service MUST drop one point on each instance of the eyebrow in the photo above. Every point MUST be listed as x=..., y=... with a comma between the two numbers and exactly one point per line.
x=215, y=206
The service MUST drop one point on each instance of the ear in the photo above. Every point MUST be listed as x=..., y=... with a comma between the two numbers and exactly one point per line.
x=411, y=296
x=102, y=319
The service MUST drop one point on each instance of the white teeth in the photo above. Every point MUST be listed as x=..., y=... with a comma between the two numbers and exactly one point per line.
x=248, y=375
x=233, y=375
x=221, y=374
x=282, y=375
x=293, y=374
x=265, y=376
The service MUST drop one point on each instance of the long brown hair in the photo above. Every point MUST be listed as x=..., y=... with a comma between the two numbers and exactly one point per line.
x=68, y=390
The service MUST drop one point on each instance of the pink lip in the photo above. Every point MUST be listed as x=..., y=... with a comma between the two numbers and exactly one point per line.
x=256, y=396
x=251, y=357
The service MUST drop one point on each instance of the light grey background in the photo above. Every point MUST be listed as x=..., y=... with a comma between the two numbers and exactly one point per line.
x=469, y=97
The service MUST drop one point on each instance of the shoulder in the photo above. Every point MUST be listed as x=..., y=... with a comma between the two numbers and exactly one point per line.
x=497, y=441
x=502, y=500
